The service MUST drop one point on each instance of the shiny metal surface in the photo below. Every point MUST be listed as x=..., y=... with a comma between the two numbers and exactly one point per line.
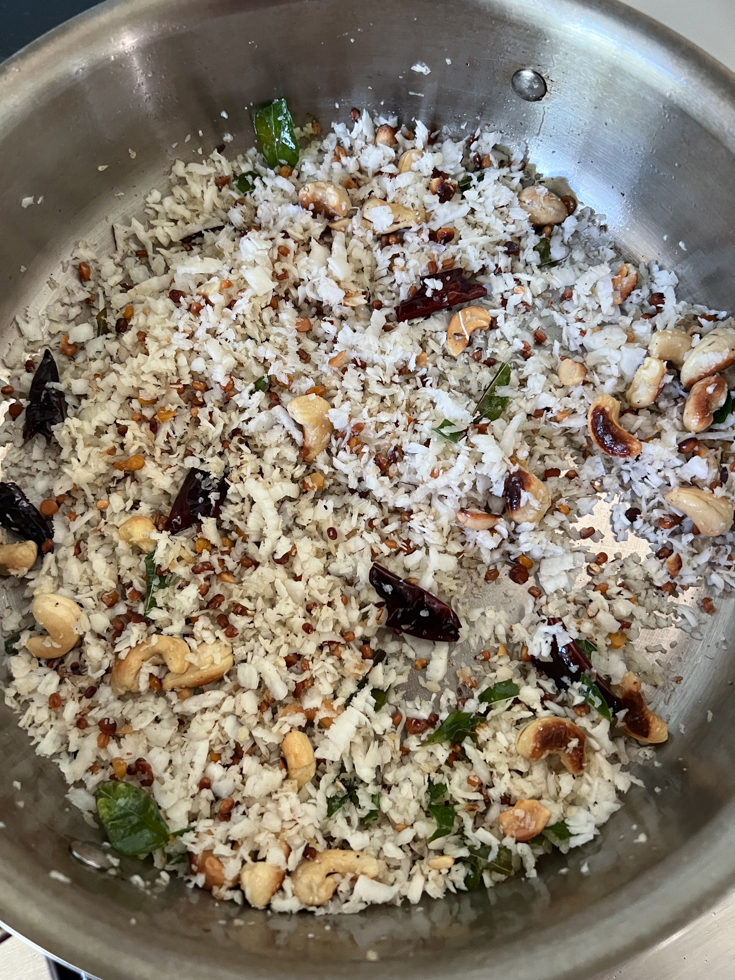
x=642, y=126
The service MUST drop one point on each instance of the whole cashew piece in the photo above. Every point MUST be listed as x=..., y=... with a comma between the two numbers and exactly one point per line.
x=17, y=559
x=712, y=515
x=137, y=530
x=323, y=198
x=156, y=649
x=314, y=882
x=464, y=323
x=524, y=821
x=299, y=755
x=526, y=497
x=559, y=735
x=606, y=433
x=310, y=411
x=544, y=207
x=647, y=383
x=213, y=662
x=59, y=617
x=260, y=882
x=403, y=217
x=705, y=397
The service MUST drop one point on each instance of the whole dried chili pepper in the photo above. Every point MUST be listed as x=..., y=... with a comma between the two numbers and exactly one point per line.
x=455, y=289
x=46, y=405
x=18, y=514
x=413, y=610
x=567, y=666
x=201, y=495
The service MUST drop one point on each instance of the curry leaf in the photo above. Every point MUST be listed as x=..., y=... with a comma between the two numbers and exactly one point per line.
x=457, y=726
x=499, y=692
x=261, y=383
x=275, y=133
x=593, y=697
x=380, y=698
x=559, y=831
x=10, y=643
x=448, y=430
x=245, y=183
x=153, y=583
x=436, y=791
x=492, y=406
x=373, y=814
x=464, y=183
x=444, y=814
x=722, y=414
x=477, y=861
x=587, y=647
x=131, y=818
x=335, y=803
x=544, y=252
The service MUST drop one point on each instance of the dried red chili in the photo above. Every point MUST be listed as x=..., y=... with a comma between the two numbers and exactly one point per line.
x=455, y=289
x=413, y=610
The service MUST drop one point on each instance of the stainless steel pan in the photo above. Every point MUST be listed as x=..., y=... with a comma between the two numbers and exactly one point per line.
x=642, y=125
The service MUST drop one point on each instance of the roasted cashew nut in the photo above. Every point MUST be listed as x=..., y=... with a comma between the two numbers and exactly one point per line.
x=705, y=397
x=311, y=412
x=524, y=821
x=623, y=283
x=712, y=515
x=544, y=207
x=571, y=372
x=213, y=661
x=713, y=353
x=326, y=199
x=212, y=868
x=155, y=650
x=314, y=882
x=670, y=345
x=647, y=383
x=299, y=755
x=442, y=862
x=17, y=559
x=386, y=136
x=638, y=720
x=137, y=530
x=403, y=217
x=59, y=616
x=526, y=497
x=260, y=882
x=558, y=735
x=407, y=160
x=476, y=520
x=464, y=323
x=607, y=435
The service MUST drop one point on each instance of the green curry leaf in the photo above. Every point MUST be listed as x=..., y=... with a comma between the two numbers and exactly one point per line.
x=448, y=430
x=722, y=414
x=275, y=133
x=245, y=183
x=153, y=583
x=499, y=692
x=492, y=406
x=544, y=252
x=131, y=818
x=457, y=726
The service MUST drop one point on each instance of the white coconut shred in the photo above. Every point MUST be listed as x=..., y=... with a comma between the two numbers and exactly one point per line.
x=235, y=668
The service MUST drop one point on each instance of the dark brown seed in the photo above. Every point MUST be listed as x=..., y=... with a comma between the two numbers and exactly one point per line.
x=332, y=533
x=519, y=574
x=216, y=601
x=121, y=325
x=85, y=273
x=657, y=300
x=89, y=692
x=176, y=296
x=416, y=726
x=231, y=632
x=107, y=726
x=54, y=701
x=511, y=248
x=81, y=724
x=309, y=853
x=15, y=410
x=586, y=532
x=632, y=514
x=308, y=628
x=535, y=591
x=7, y=390
x=223, y=621
x=688, y=446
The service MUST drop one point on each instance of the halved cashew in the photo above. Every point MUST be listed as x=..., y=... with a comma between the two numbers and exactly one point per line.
x=711, y=355
x=647, y=383
x=17, y=559
x=212, y=868
x=559, y=735
x=571, y=372
x=638, y=720
x=442, y=862
x=544, y=207
x=137, y=530
x=155, y=650
x=623, y=283
x=213, y=662
x=311, y=412
x=476, y=520
x=322, y=198
x=712, y=515
x=705, y=397
x=403, y=217
x=670, y=345
x=607, y=435
x=405, y=164
x=299, y=755
x=524, y=821
x=386, y=135
x=59, y=617
x=526, y=497
x=314, y=882
x=260, y=882
x=462, y=324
